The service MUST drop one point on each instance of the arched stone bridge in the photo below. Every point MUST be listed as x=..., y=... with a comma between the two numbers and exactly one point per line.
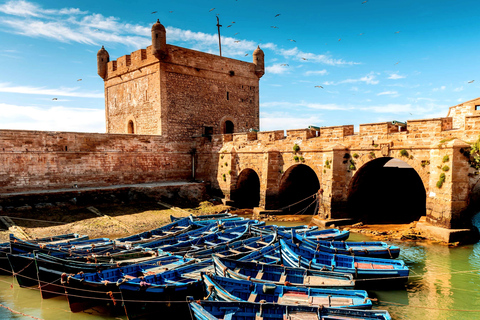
x=263, y=169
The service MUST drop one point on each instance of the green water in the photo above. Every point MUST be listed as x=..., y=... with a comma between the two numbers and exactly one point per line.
x=444, y=284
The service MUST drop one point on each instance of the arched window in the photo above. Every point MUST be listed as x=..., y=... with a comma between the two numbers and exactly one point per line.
x=131, y=127
x=228, y=127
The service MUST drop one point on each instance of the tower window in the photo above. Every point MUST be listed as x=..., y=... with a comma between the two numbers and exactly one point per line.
x=131, y=127
x=228, y=127
x=228, y=95
x=477, y=107
x=207, y=131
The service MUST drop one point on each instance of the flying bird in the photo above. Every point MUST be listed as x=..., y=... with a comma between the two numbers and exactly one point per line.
x=154, y=12
x=471, y=81
x=79, y=80
x=277, y=15
x=397, y=31
x=235, y=34
x=319, y=87
x=360, y=34
x=229, y=26
x=55, y=99
x=291, y=40
x=365, y=1
x=284, y=65
x=170, y=11
x=339, y=39
x=233, y=22
x=396, y=63
x=236, y=41
x=246, y=54
x=304, y=59
x=211, y=10
x=274, y=27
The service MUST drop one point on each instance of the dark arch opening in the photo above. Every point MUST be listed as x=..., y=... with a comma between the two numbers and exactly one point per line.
x=228, y=127
x=384, y=191
x=298, y=183
x=131, y=127
x=247, y=192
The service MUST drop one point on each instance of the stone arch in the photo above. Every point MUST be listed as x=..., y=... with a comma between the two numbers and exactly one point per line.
x=131, y=126
x=247, y=189
x=384, y=194
x=296, y=185
x=227, y=125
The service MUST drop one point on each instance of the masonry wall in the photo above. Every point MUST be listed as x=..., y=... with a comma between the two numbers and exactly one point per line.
x=50, y=160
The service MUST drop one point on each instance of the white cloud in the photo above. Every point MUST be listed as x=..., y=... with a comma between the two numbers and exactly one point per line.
x=57, y=118
x=318, y=72
x=28, y=9
x=276, y=69
x=303, y=104
x=66, y=92
x=428, y=110
x=395, y=76
x=299, y=55
x=438, y=89
x=387, y=93
x=368, y=79
x=458, y=89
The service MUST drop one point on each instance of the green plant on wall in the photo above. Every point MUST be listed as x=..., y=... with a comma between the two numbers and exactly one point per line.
x=230, y=172
x=355, y=155
x=296, y=148
x=327, y=164
x=445, y=168
x=226, y=164
x=446, y=158
x=224, y=177
x=302, y=159
x=221, y=157
x=372, y=155
x=352, y=165
x=296, y=158
x=403, y=153
x=441, y=180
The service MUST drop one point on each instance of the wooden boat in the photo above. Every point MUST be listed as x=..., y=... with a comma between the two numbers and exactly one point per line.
x=157, y=296
x=375, y=249
x=205, y=216
x=214, y=310
x=280, y=275
x=173, y=229
x=5, y=268
x=228, y=289
x=361, y=267
x=85, y=247
x=210, y=240
x=235, y=249
x=326, y=234
x=85, y=290
x=48, y=269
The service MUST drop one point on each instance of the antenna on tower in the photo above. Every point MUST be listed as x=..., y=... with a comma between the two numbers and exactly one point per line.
x=219, y=42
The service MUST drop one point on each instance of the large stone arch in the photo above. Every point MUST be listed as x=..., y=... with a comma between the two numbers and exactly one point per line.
x=297, y=190
x=380, y=194
x=247, y=189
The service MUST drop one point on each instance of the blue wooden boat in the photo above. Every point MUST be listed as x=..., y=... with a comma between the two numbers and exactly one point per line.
x=85, y=290
x=208, y=241
x=376, y=249
x=326, y=234
x=214, y=216
x=157, y=296
x=170, y=230
x=235, y=249
x=5, y=268
x=281, y=275
x=214, y=310
x=361, y=267
x=228, y=289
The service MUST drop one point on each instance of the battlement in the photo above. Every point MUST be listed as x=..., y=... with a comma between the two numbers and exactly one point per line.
x=430, y=125
x=186, y=58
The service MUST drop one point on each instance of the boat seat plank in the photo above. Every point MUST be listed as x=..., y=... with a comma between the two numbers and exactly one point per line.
x=283, y=278
x=252, y=297
x=250, y=248
x=259, y=275
x=263, y=243
x=372, y=266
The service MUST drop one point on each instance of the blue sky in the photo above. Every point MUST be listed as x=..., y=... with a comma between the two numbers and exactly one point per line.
x=376, y=60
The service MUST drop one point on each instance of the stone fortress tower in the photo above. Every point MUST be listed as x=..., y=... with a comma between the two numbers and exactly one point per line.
x=179, y=93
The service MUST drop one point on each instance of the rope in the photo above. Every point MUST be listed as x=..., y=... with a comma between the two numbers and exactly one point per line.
x=18, y=312
x=37, y=220
x=291, y=205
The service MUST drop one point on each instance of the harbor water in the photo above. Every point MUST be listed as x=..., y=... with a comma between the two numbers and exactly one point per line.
x=444, y=284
